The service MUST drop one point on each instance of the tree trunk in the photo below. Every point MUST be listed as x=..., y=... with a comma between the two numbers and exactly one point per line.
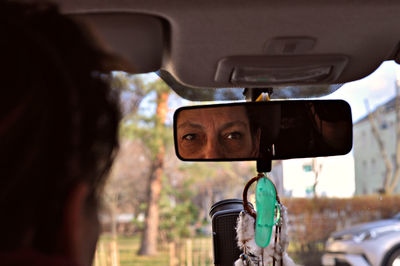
x=148, y=245
x=113, y=213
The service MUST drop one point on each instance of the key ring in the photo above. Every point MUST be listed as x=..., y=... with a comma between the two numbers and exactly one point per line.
x=246, y=205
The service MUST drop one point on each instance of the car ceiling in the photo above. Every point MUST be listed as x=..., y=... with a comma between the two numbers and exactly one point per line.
x=191, y=39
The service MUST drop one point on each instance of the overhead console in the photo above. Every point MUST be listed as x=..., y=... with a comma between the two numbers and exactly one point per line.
x=256, y=71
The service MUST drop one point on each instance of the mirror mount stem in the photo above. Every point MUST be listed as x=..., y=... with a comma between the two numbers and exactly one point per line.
x=264, y=165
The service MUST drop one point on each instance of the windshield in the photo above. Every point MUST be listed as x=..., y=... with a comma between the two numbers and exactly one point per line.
x=159, y=206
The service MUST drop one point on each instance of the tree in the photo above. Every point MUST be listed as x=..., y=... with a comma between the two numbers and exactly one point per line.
x=217, y=181
x=316, y=169
x=132, y=89
x=156, y=144
x=168, y=190
x=178, y=212
x=151, y=132
x=124, y=191
x=120, y=186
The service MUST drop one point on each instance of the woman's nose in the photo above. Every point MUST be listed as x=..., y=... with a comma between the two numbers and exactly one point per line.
x=212, y=150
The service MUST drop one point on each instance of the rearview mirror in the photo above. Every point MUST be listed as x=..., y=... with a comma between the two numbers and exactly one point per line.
x=275, y=130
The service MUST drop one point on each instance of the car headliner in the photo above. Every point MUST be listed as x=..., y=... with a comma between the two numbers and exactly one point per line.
x=189, y=38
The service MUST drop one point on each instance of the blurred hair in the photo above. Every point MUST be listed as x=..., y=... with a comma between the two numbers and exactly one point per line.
x=58, y=120
x=264, y=117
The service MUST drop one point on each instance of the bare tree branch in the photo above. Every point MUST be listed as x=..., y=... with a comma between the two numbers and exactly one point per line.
x=382, y=148
x=396, y=176
x=316, y=169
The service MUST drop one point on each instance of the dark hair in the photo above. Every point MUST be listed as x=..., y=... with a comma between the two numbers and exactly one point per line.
x=58, y=120
x=265, y=118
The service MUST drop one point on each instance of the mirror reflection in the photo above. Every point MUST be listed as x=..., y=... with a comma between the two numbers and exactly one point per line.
x=220, y=132
x=276, y=130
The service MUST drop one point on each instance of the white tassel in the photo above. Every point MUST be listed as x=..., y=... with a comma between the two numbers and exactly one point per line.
x=246, y=235
x=246, y=241
x=284, y=237
x=287, y=261
x=239, y=262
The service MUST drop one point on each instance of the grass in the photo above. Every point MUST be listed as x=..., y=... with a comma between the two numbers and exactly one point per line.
x=129, y=246
x=201, y=250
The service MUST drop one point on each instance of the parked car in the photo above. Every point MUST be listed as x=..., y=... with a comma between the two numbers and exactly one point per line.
x=370, y=244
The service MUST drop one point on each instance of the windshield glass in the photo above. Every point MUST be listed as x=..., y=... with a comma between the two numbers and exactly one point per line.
x=158, y=206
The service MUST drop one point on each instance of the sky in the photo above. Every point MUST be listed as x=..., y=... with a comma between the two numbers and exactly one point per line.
x=378, y=88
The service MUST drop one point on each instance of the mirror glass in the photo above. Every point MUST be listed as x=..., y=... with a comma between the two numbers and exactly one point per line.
x=274, y=129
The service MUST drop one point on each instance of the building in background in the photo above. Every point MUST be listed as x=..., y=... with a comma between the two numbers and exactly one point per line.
x=370, y=168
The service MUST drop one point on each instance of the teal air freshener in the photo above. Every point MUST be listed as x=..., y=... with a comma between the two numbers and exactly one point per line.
x=266, y=205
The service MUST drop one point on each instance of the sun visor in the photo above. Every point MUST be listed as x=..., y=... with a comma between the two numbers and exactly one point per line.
x=137, y=38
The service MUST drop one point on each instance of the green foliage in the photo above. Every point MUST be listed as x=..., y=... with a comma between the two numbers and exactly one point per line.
x=132, y=89
x=143, y=206
x=177, y=211
x=143, y=128
x=222, y=177
x=149, y=129
x=139, y=225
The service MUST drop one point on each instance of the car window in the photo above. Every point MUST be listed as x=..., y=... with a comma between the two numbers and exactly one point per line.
x=326, y=197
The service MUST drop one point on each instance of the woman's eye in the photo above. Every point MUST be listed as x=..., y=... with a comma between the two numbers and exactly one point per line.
x=189, y=137
x=234, y=135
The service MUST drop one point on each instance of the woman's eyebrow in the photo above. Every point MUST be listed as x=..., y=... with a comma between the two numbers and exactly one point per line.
x=233, y=123
x=189, y=124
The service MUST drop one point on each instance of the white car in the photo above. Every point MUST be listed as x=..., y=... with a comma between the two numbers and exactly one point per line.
x=369, y=244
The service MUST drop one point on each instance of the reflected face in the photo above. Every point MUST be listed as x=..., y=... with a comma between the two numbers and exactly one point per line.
x=212, y=133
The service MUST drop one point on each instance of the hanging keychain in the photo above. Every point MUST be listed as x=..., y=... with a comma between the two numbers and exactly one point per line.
x=255, y=229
